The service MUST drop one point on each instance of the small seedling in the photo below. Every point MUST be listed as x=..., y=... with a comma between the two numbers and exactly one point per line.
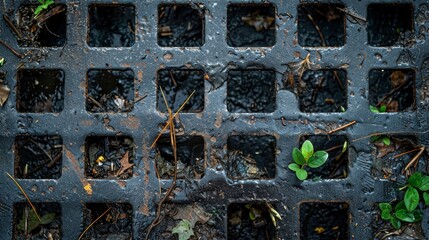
x=407, y=209
x=306, y=157
x=183, y=230
x=381, y=109
x=44, y=4
x=384, y=139
x=33, y=222
x=256, y=212
x=2, y=61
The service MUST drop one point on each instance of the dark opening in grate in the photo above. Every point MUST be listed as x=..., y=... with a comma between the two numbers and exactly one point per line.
x=252, y=90
x=392, y=88
x=324, y=91
x=181, y=25
x=38, y=157
x=26, y=225
x=111, y=25
x=251, y=157
x=110, y=90
x=109, y=157
x=177, y=85
x=40, y=90
x=251, y=25
x=190, y=156
x=321, y=25
x=386, y=22
x=117, y=223
x=336, y=167
x=324, y=220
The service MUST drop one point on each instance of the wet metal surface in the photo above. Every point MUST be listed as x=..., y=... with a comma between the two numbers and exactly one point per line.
x=286, y=123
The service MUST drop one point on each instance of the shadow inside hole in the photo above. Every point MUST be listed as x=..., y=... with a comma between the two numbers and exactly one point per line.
x=243, y=225
x=40, y=90
x=180, y=25
x=324, y=220
x=178, y=85
x=190, y=155
x=38, y=157
x=115, y=224
x=111, y=25
x=251, y=25
x=252, y=90
x=336, y=166
x=47, y=30
x=109, y=157
x=27, y=226
x=251, y=157
x=386, y=22
x=394, y=88
x=324, y=91
x=110, y=90
x=321, y=25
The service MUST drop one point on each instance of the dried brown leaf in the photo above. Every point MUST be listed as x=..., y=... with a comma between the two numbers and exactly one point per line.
x=192, y=213
x=4, y=94
x=258, y=22
x=384, y=149
x=125, y=164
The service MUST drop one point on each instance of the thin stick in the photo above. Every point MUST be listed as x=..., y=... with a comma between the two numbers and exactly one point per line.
x=12, y=26
x=404, y=153
x=43, y=150
x=171, y=120
x=26, y=196
x=20, y=55
x=342, y=127
x=317, y=28
x=90, y=225
x=415, y=158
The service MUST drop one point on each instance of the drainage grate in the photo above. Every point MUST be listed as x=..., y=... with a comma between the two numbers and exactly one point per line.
x=85, y=106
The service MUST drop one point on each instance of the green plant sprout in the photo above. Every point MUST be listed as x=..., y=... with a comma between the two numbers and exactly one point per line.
x=306, y=157
x=44, y=4
x=255, y=213
x=384, y=139
x=381, y=109
x=183, y=229
x=2, y=61
x=33, y=222
x=407, y=209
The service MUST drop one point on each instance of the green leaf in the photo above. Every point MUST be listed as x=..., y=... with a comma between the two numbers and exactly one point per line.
x=373, y=109
x=252, y=215
x=2, y=61
x=307, y=149
x=301, y=174
x=38, y=10
x=425, y=183
x=411, y=199
x=47, y=218
x=386, y=141
x=32, y=222
x=318, y=159
x=345, y=145
x=42, y=2
x=294, y=167
x=415, y=180
x=405, y=216
x=395, y=222
x=400, y=205
x=183, y=229
x=385, y=214
x=375, y=138
x=298, y=157
x=418, y=215
x=426, y=198
x=383, y=108
x=385, y=206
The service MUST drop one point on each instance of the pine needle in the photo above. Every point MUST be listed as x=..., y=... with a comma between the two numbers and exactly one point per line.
x=90, y=225
x=26, y=196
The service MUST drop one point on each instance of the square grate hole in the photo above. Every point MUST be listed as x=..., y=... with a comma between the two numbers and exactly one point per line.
x=180, y=25
x=252, y=90
x=111, y=25
x=178, y=85
x=190, y=156
x=27, y=226
x=251, y=157
x=44, y=31
x=40, y=90
x=325, y=91
x=109, y=157
x=116, y=223
x=250, y=221
x=324, y=220
x=321, y=25
x=392, y=89
x=38, y=157
x=251, y=25
x=206, y=221
x=388, y=160
x=336, y=166
x=386, y=22
x=110, y=90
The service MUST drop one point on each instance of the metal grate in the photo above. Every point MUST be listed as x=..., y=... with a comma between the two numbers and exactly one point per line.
x=249, y=97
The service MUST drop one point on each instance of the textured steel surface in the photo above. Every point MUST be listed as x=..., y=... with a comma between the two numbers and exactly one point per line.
x=360, y=190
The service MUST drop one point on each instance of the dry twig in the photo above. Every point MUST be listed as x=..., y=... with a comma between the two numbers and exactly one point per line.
x=90, y=225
